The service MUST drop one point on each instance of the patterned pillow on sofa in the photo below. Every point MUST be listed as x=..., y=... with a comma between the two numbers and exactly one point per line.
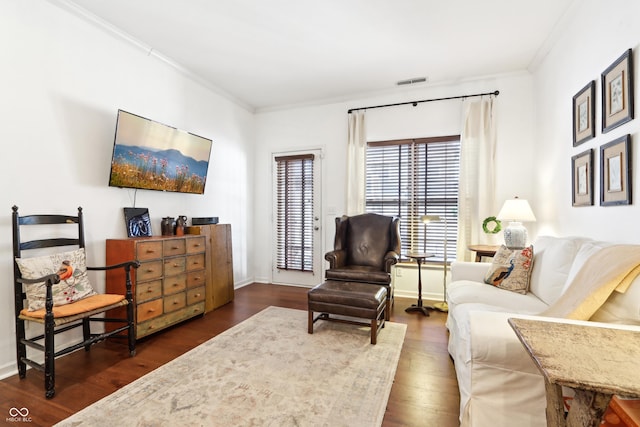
x=511, y=269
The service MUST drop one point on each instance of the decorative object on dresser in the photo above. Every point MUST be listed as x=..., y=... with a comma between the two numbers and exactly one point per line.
x=169, y=286
x=138, y=222
x=58, y=293
x=204, y=220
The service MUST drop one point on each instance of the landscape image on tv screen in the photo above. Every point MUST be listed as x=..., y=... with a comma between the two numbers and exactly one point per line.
x=153, y=156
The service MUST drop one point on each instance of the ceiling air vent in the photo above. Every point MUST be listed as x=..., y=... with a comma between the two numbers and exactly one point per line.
x=412, y=81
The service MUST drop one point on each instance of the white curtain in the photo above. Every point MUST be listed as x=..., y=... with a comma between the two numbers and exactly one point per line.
x=356, y=151
x=476, y=199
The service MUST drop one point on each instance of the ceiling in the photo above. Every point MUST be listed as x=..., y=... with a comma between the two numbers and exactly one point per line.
x=276, y=53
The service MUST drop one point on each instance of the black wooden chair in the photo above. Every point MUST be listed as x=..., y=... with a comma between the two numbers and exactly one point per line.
x=62, y=282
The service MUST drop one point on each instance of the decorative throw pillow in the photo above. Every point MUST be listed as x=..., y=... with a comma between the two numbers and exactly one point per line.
x=74, y=282
x=511, y=269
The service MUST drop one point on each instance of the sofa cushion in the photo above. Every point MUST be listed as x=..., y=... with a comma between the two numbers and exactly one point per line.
x=74, y=283
x=552, y=262
x=511, y=269
x=466, y=291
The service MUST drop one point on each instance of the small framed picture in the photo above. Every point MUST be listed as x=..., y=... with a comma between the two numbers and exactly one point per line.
x=138, y=222
x=582, y=179
x=615, y=172
x=617, y=93
x=584, y=115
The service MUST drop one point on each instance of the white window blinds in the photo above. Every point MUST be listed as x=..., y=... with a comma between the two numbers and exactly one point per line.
x=415, y=177
x=295, y=212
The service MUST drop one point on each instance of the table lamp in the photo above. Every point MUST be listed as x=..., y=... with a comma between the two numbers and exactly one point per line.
x=516, y=211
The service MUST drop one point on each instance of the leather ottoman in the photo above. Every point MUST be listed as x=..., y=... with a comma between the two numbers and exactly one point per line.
x=348, y=299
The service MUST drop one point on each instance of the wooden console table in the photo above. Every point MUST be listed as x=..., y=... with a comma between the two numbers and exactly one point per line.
x=595, y=362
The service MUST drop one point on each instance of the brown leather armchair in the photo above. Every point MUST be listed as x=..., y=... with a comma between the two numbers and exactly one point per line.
x=365, y=248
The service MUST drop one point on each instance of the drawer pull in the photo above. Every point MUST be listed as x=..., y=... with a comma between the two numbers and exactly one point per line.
x=175, y=285
x=150, y=270
x=151, y=310
x=196, y=295
x=176, y=265
x=150, y=251
x=149, y=290
x=175, y=303
x=175, y=247
x=196, y=279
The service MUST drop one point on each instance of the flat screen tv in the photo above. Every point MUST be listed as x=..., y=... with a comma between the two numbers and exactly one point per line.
x=153, y=156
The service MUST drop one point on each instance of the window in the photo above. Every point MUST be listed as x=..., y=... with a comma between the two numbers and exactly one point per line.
x=415, y=177
x=295, y=212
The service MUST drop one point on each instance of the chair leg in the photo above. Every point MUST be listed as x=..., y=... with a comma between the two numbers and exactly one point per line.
x=49, y=357
x=131, y=332
x=21, y=349
x=387, y=310
x=310, y=322
x=374, y=331
x=86, y=332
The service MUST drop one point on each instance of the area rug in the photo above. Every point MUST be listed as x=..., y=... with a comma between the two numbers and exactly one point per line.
x=265, y=371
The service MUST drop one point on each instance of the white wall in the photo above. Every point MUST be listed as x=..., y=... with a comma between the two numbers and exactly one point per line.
x=325, y=126
x=61, y=83
x=596, y=35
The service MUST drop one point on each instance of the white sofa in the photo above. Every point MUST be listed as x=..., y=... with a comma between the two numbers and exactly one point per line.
x=499, y=384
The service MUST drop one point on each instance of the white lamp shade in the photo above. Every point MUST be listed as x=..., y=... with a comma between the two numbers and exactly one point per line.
x=516, y=210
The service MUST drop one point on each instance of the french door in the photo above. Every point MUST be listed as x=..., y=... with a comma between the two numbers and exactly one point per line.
x=297, y=243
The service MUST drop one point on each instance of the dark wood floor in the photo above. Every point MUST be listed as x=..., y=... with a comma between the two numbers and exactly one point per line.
x=425, y=391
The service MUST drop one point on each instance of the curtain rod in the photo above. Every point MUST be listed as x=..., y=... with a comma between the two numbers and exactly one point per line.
x=414, y=103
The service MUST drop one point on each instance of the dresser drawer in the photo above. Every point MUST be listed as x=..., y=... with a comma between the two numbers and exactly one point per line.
x=149, y=310
x=148, y=290
x=195, y=262
x=196, y=278
x=174, y=284
x=195, y=245
x=195, y=295
x=175, y=265
x=174, y=302
x=148, y=250
x=169, y=319
x=173, y=247
x=149, y=271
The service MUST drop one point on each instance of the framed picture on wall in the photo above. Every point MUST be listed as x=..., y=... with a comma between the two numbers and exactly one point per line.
x=615, y=172
x=138, y=222
x=584, y=114
x=617, y=93
x=582, y=178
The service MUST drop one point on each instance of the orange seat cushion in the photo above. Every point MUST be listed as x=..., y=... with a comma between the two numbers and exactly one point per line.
x=83, y=305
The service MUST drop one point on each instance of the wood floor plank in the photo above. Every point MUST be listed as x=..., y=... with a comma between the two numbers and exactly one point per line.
x=425, y=391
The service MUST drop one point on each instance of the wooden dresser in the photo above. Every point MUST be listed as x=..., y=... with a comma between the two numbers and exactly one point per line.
x=169, y=286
